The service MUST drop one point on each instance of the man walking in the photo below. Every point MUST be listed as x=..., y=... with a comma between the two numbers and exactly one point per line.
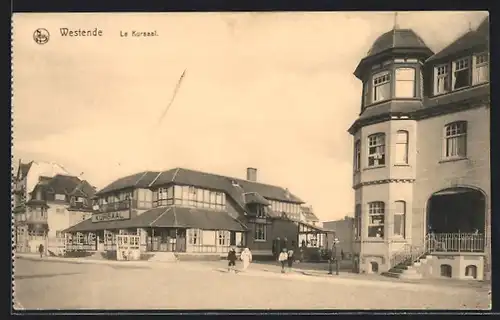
x=334, y=258
x=40, y=250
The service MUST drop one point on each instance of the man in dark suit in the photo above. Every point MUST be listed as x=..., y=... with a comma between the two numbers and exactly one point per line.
x=334, y=258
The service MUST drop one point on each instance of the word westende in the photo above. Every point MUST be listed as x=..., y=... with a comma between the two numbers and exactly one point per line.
x=67, y=32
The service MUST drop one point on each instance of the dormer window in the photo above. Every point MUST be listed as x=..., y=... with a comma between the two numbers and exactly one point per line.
x=441, y=79
x=381, y=86
x=481, y=69
x=461, y=74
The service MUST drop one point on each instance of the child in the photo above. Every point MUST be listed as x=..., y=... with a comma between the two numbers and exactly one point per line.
x=283, y=257
x=290, y=260
x=231, y=257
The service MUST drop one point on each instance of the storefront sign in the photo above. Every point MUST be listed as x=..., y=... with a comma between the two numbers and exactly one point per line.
x=111, y=216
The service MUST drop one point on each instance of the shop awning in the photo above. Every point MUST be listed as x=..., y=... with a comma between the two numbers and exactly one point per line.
x=167, y=217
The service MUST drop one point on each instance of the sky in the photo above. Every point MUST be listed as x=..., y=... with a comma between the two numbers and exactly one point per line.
x=274, y=91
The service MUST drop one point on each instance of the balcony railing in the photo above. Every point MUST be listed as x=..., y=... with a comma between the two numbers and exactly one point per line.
x=117, y=206
x=455, y=242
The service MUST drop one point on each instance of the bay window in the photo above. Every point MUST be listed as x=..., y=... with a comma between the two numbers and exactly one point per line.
x=381, y=86
x=376, y=217
x=399, y=218
x=376, y=150
x=401, y=147
x=405, y=83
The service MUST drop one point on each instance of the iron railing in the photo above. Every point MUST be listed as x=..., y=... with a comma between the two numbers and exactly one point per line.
x=455, y=242
x=406, y=255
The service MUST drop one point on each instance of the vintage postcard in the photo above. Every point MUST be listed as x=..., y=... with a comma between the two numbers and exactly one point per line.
x=259, y=161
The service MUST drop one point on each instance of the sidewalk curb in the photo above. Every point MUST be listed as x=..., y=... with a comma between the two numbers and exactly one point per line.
x=89, y=261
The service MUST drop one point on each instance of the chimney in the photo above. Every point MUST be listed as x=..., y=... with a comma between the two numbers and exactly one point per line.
x=252, y=174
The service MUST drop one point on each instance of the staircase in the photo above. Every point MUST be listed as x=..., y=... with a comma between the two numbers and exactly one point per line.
x=407, y=263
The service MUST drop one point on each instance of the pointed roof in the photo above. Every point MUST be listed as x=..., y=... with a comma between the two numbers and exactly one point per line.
x=467, y=41
x=397, y=38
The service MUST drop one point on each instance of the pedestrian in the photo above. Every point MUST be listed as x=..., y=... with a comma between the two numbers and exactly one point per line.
x=246, y=257
x=283, y=258
x=40, y=249
x=290, y=259
x=342, y=254
x=231, y=257
x=334, y=259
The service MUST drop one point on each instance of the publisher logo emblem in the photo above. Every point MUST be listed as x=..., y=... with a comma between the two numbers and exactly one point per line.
x=41, y=36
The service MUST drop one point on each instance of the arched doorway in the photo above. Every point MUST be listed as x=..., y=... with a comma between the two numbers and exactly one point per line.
x=456, y=220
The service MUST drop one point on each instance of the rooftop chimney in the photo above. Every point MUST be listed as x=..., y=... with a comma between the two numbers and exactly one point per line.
x=252, y=174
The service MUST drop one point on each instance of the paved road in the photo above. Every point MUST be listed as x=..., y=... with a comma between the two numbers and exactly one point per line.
x=55, y=285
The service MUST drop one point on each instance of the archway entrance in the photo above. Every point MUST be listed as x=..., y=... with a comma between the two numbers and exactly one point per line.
x=456, y=220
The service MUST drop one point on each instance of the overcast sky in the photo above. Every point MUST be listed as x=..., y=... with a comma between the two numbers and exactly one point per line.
x=273, y=91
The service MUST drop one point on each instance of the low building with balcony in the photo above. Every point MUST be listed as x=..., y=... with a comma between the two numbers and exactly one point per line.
x=187, y=211
x=422, y=157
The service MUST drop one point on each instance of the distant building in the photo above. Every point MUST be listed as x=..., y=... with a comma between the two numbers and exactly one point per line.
x=307, y=215
x=45, y=207
x=421, y=154
x=343, y=230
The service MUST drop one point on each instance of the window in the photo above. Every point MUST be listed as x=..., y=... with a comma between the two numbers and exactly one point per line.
x=381, y=86
x=376, y=150
x=60, y=197
x=357, y=222
x=481, y=69
x=401, y=147
x=405, y=83
x=224, y=237
x=376, y=214
x=461, y=74
x=441, y=79
x=261, y=211
x=366, y=94
x=357, y=155
x=194, y=236
x=260, y=232
x=399, y=218
x=455, y=143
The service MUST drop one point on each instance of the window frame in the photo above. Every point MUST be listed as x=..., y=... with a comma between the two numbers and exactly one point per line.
x=468, y=68
x=414, y=80
x=376, y=209
x=457, y=136
x=357, y=155
x=476, y=66
x=264, y=232
x=376, y=162
x=406, y=148
x=403, y=219
x=357, y=221
x=374, y=86
x=445, y=76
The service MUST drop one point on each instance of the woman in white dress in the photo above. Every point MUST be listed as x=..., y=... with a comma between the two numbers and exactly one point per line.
x=246, y=257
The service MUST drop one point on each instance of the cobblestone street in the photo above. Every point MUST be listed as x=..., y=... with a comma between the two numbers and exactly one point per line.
x=56, y=285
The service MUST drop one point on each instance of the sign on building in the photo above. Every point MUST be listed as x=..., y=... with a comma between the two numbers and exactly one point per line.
x=111, y=216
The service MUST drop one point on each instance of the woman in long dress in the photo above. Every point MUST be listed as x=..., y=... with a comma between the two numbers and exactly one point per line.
x=246, y=257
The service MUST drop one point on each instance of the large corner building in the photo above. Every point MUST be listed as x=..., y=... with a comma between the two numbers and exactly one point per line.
x=422, y=156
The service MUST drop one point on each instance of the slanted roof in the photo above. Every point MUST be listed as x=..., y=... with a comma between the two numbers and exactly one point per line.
x=308, y=214
x=233, y=187
x=138, y=180
x=24, y=168
x=62, y=184
x=465, y=42
x=174, y=217
x=254, y=197
x=397, y=38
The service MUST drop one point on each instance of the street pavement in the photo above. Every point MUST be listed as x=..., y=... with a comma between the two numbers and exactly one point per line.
x=60, y=285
